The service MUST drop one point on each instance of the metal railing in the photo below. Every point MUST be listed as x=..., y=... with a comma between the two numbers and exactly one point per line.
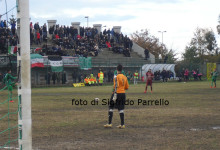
x=112, y=62
x=69, y=61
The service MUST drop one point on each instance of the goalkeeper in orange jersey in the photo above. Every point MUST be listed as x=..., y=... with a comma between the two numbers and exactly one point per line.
x=118, y=98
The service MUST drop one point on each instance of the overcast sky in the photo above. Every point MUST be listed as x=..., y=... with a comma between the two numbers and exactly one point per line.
x=179, y=18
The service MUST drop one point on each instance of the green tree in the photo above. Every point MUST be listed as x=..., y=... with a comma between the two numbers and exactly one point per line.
x=191, y=58
x=171, y=57
x=202, y=44
x=211, y=42
x=199, y=42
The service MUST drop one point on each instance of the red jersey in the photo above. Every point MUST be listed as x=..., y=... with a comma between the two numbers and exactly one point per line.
x=38, y=35
x=149, y=75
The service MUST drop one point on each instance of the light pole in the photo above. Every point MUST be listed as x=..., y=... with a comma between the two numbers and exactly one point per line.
x=87, y=21
x=218, y=26
x=162, y=34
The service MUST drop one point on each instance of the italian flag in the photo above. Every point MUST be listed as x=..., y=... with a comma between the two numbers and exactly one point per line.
x=12, y=49
x=56, y=64
x=37, y=60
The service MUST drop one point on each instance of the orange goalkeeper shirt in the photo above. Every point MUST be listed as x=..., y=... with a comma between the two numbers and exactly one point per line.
x=122, y=83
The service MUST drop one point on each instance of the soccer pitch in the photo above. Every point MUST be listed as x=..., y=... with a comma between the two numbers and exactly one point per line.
x=186, y=116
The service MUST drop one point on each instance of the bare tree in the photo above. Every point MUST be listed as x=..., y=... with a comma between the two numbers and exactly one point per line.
x=150, y=42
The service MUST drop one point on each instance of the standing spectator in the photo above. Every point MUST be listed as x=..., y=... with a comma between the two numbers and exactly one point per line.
x=136, y=75
x=165, y=59
x=31, y=26
x=146, y=52
x=38, y=38
x=36, y=27
x=167, y=75
x=155, y=75
x=2, y=24
x=79, y=78
x=186, y=75
x=74, y=75
x=108, y=32
x=47, y=78
x=44, y=32
x=13, y=25
x=31, y=37
x=58, y=77
x=54, y=77
x=199, y=74
x=164, y=75
x=182, y=74
x=101, y=77
x=109, y=76
x=194, y=75
x=105, y=75
x=82, y=77
x=112, y=76
x=51, y=29
x=64, y=77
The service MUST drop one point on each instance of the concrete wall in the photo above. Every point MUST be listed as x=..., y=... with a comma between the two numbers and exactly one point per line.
x=136, y=48
x=51, y=23
x=38, y=74
x=98, y=27
x=76, y=25
x=117, y=29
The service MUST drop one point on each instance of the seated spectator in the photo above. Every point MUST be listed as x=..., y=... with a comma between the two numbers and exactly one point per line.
x=55, y=48
x=57, y=37
x=108, y=44
x=126, y=52
x=79, y=37
x=146, y=52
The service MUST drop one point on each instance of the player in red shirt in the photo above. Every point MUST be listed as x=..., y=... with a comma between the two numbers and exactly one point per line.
x=149, y=76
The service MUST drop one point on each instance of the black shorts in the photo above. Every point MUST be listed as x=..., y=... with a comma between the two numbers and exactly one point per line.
x=120, y=102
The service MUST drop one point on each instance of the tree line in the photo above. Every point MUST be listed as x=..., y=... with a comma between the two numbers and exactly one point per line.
x=202, y=47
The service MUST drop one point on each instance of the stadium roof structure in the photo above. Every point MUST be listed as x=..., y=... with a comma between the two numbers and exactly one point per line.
x=157, y=67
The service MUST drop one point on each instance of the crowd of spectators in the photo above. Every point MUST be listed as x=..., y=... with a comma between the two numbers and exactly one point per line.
x=88, y=41
x=65, y=40
x=165, y=75
x=56, y=77
x=185, y=75
x=118, y=42
x=8, y=36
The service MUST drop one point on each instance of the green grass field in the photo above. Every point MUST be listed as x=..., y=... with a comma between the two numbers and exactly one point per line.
x=191, y=120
